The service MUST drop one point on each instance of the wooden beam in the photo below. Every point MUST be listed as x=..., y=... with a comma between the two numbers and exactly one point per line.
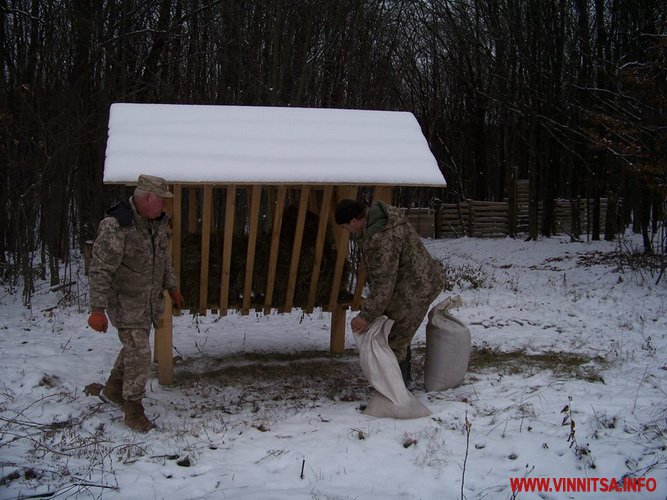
x=230, y=205
x=319, y=246
x=275, y=243
x=304, y=199
x=205, y=249
x=255, y=194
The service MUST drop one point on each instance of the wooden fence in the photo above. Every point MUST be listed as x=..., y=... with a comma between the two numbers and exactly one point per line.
x=483, y=219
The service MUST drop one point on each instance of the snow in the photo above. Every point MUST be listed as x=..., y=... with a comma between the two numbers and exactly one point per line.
x=261, y=410
x=267, y=145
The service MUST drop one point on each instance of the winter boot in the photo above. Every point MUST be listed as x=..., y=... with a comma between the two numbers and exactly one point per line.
x=135, y=418
x=406, y=371
x=112, y=392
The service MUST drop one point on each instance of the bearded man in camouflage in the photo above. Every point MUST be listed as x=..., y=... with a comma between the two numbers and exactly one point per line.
x=403, y=278
x=129, y=271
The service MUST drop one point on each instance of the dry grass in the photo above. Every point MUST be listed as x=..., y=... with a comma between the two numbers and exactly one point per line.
x=561, y=364
x=310, y=376
x=304, y=375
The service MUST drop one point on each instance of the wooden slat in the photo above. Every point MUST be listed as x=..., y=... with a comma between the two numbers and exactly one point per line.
x=319, y=246
x=255, y=194
x=205, y=248
x=341, y=237
x=275, y=242
x=304, y=199
x=230, y=205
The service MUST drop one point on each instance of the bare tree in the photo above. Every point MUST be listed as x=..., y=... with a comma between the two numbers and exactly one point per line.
x=567, y=93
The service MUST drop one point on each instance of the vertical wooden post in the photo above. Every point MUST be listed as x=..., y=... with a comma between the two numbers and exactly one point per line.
x=163, y=345
x=205, y=248
x=164, y=333
x=337, y=342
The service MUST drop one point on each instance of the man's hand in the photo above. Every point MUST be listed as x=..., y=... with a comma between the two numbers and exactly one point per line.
x=98, y=321
x=358, y=324
x=177, y=298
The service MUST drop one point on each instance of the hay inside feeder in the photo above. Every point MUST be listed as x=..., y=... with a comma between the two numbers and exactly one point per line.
x=191, y=258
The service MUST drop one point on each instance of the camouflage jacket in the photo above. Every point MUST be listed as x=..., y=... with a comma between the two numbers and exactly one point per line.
x=399, y=269
x=130, y=267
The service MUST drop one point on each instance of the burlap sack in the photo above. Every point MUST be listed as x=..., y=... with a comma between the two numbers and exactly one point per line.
x=447, y=347
x=380, y=366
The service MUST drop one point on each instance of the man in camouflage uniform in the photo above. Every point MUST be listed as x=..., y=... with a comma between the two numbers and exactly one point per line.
x=129, y=271
x=403, y=278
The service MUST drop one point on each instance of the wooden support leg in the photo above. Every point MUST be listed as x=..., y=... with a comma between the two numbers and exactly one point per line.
x=337, y=344
x=163, y=342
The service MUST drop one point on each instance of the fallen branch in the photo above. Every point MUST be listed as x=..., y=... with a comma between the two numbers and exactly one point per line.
x=67, y=488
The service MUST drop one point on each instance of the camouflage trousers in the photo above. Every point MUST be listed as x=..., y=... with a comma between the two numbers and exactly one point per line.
x=133, y=363
x=406, y=322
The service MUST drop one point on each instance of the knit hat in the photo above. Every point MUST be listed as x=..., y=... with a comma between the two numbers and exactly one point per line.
x=346, y=210
x=155, y=185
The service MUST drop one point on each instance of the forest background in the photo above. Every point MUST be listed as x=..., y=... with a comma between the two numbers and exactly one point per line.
x=570, y=94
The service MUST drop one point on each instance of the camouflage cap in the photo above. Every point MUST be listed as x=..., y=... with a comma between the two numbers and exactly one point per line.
x=155, y=185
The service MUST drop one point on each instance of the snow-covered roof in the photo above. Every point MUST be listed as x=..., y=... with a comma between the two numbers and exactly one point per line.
x=267, y=145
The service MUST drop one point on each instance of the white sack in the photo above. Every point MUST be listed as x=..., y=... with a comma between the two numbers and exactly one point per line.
x=447, y=347
x=380, y=366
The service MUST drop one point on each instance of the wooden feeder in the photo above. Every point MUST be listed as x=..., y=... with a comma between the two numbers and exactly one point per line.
x=254, y=193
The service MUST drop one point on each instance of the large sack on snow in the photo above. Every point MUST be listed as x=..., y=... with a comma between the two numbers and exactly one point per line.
x=447, y=347
x=380, y=366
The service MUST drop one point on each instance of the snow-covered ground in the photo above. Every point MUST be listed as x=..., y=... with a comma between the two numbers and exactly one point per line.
x=261, y=410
